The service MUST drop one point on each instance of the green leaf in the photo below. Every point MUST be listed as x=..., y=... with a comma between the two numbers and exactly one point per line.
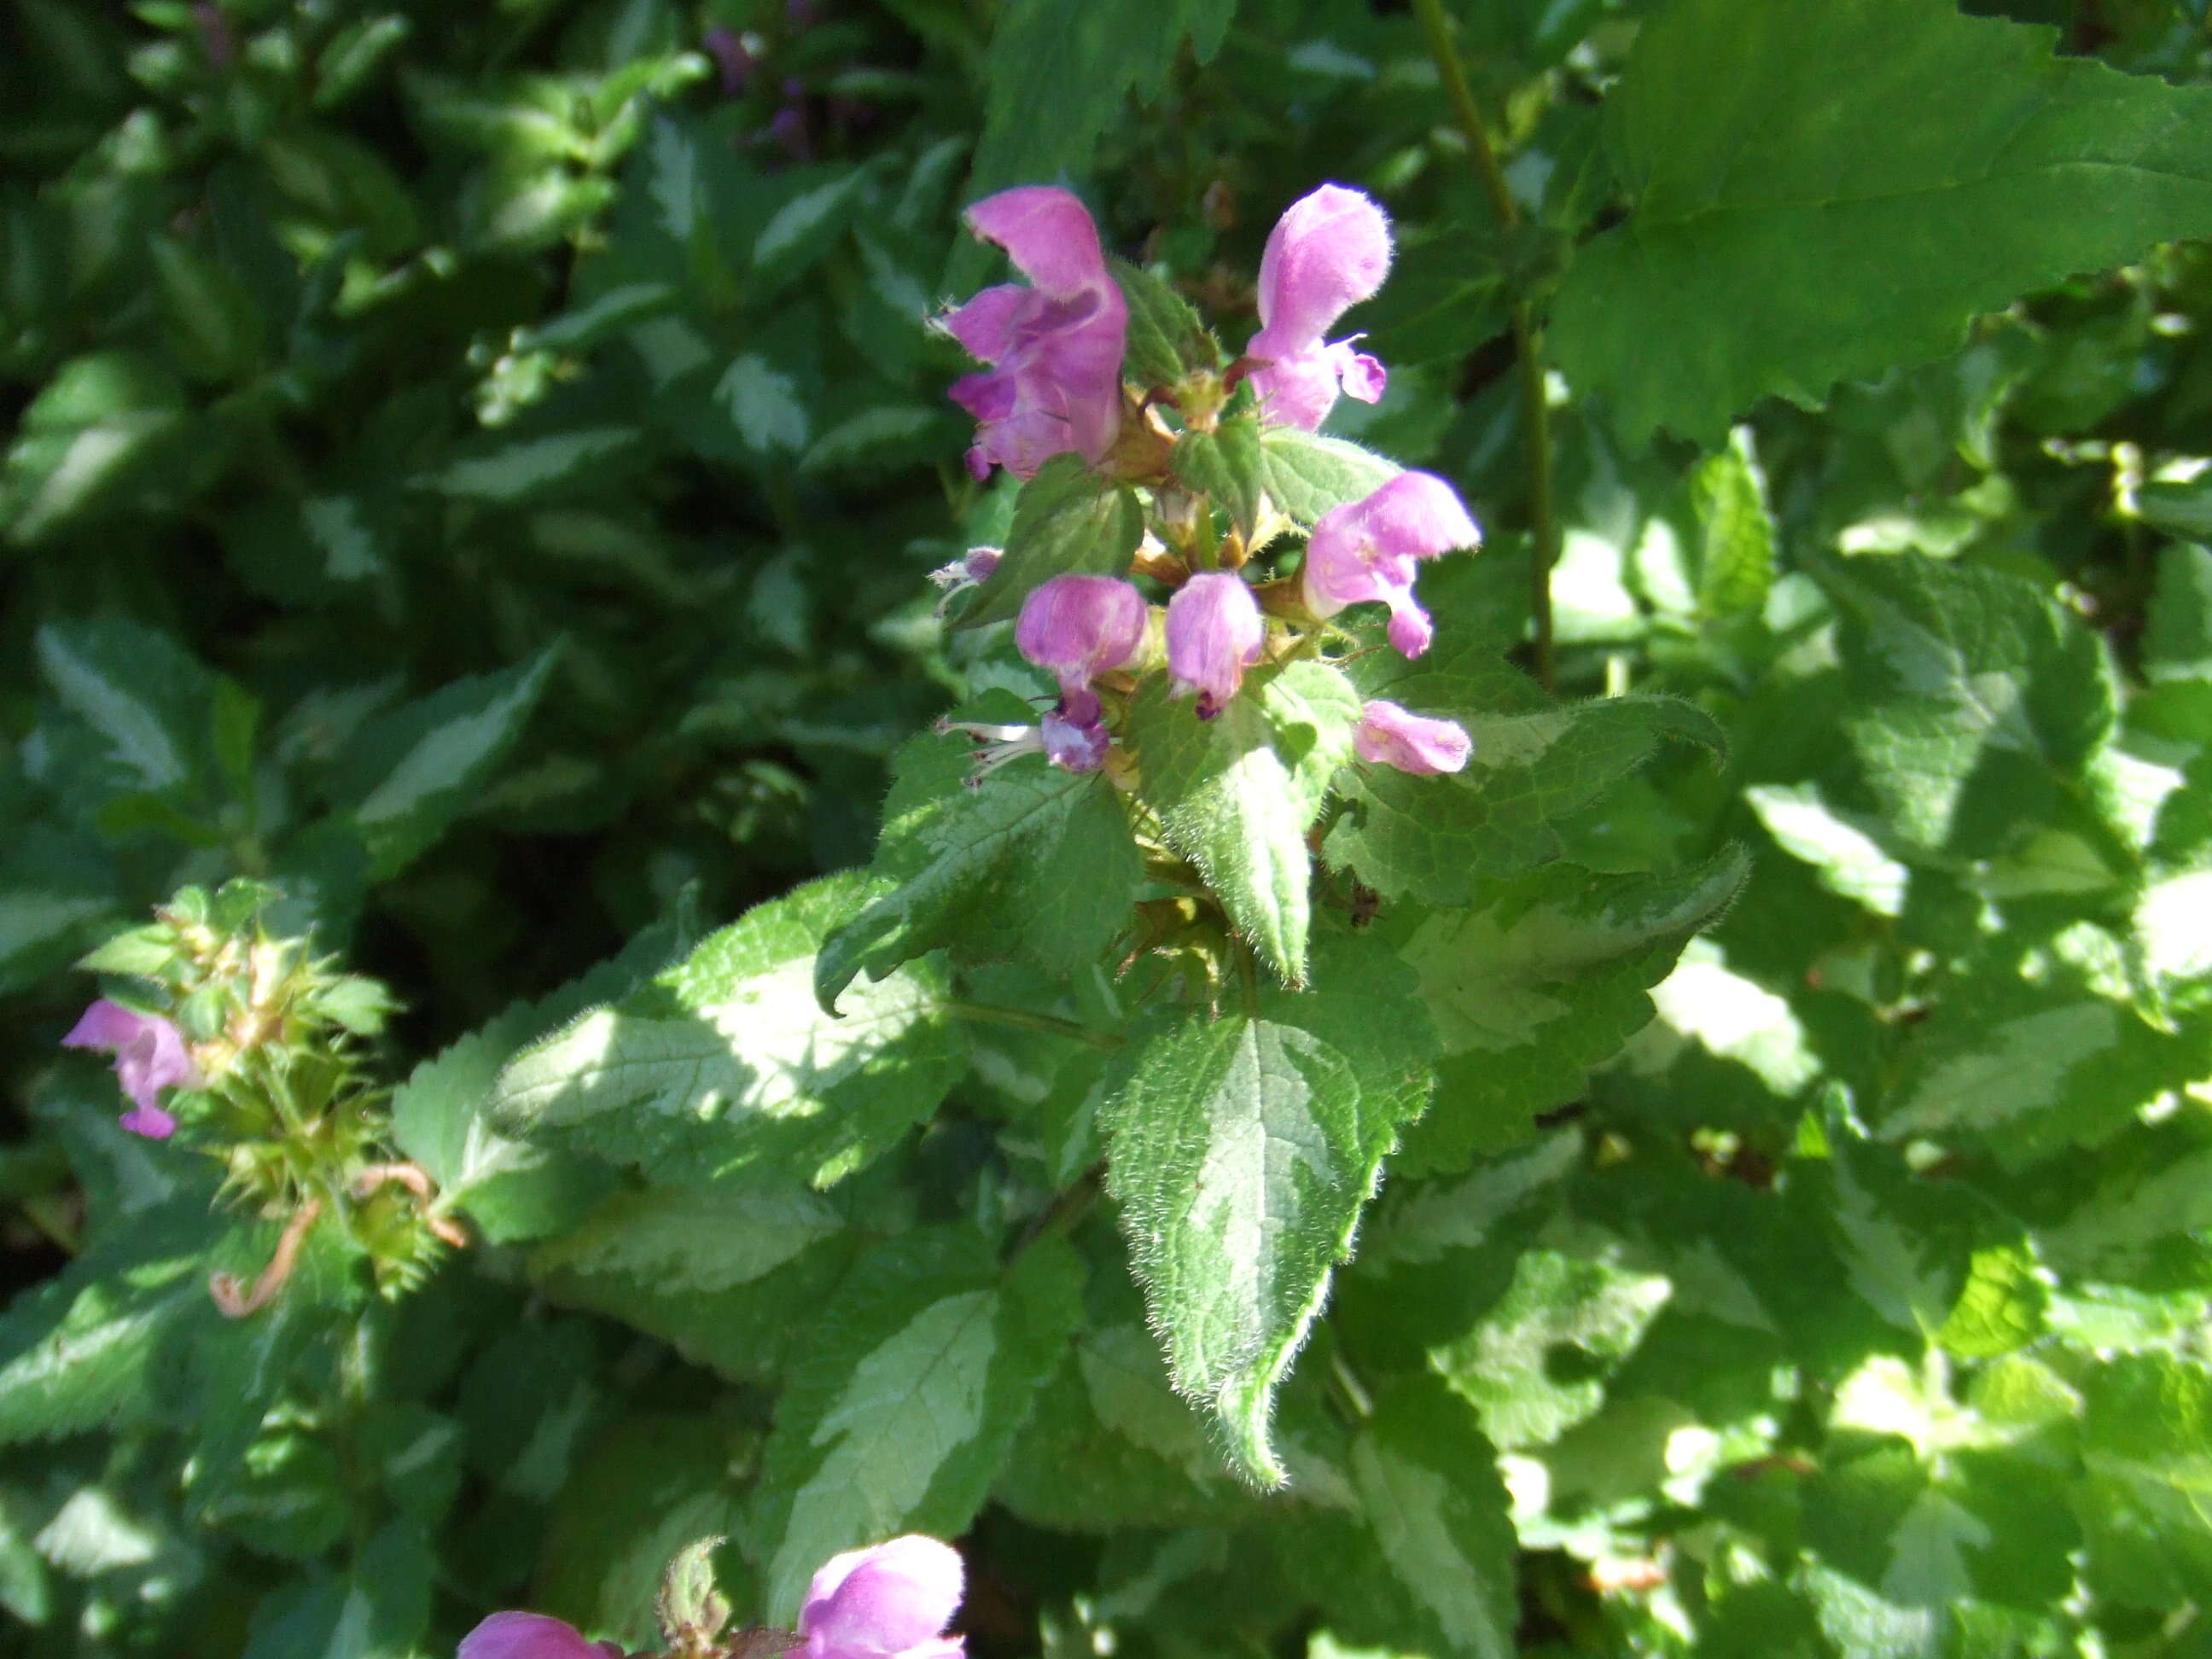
x=1819, y=191
x=2146, y=1450
x=651, y=1484
x=2177, y=642
x=1539, y=979
x=1167, y=337
x=1847, y=861
x=2025, y=1072
x=1243, y=1147
x=149, y=701
x=1056, y=77
x=918, y=1373
x=724, y=1063
x=1428, y=1482
x=1735, y=559
x=1533, y=764
x=1067, y=519
x=406, y=775
x=510, y=1189
x=2182, y=509
x=728, y=1276
x=1434, y=1254
x=96, y=1346
x=1235, y=794
x=1446, y=295
x=508, y=472
x=2000, y=1309
x=1977, y=1526
x=1109, y=1445
x=821, y=203
x=379, y=1609
x=96, y=431
x=1227, y=464
x=1978, y=704
x=1535, y=1364
x=1307, y=474
x=1034, y=863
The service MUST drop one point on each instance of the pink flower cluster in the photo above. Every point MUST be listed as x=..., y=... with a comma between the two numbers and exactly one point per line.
x=891, y=1602
x=1054, y=386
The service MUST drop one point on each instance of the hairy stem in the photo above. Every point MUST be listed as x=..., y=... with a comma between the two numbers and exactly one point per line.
x=1022, y=1019
x=1536, y=409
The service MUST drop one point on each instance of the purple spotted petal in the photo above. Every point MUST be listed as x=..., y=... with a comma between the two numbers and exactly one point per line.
x=891, y=1601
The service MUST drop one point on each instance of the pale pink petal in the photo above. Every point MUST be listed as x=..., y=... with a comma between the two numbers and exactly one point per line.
x=1294, y=388
x=1391, y=736
x=1410, y=630
x=1363, y=378
x=892, y=1599
x=1214, y=632
x=1329, y=251
x=1057, y=346
x=151, y=1121
x=1049, y=235
x=1077, y=627
x=985, y=325
x=1417, y=516
x=106, y=1025
x=527, y=1636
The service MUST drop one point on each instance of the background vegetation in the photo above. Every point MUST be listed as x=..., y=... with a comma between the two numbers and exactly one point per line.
x=476, y=467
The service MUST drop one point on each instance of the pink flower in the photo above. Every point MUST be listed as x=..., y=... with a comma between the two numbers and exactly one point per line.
x=1391, y=736
x=892, y=1601
x=1328, y=251
x=150, y=1056
x=531, y=1636
x=1072, y=737
x=1056, y=345
x=1214, y=634
x=1367, y=549
x=1077, y=627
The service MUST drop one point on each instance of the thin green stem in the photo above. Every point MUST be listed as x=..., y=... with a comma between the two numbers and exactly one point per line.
x=1535, y=408
x=1021, y=1019
x=1437, y=31
x=1543, y=513
x=1060, y=1216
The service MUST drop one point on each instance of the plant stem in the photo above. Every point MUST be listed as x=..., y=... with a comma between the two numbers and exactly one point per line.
x=1066, y=1209
x=1543, y=517
x=1022, y=1019
x=1536, y=409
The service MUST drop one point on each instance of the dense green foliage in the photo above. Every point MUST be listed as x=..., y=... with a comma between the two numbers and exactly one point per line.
x=1727, y=1172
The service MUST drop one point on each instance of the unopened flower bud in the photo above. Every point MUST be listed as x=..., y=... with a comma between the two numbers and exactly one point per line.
x=1391, y=736
x=1214, y=632
x=1077, y=627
